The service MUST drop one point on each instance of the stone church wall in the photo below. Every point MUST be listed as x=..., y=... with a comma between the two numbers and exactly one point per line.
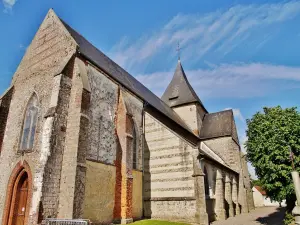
x=50, y=49
x=102, y=153
x=189, y=115
x=11, y=155
x=135, y=109
x=169, y=185
x=227, y=149
x=102, y=113
x=247, y=182
x=51, y=179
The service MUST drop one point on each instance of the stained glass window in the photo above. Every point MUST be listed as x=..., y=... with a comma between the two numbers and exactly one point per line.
x=29, y=125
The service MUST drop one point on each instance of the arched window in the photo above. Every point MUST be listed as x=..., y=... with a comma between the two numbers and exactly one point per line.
x=134, y=149
x=29, y=124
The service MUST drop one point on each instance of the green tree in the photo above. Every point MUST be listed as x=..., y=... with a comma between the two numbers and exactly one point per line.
x=271, y=135
x=256, y=183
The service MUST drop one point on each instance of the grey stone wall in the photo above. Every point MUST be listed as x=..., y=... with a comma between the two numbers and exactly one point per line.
x=102, y=113
x=172, y=210
x=168, y=173
x=135, y=109
x=227, y=149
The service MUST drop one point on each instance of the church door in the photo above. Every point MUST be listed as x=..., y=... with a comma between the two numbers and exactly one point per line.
x=19, y=200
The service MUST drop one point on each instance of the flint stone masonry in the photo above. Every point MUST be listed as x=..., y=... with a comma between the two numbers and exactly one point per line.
x=34, y=74
x=102, y=113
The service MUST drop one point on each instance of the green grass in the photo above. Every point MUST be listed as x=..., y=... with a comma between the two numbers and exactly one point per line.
x=157, y=222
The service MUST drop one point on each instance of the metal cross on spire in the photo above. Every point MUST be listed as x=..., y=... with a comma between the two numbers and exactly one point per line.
x=178, y=50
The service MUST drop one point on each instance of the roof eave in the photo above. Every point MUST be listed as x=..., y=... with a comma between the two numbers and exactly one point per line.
x=183, y=132
x=212, y=160
x=189, y=103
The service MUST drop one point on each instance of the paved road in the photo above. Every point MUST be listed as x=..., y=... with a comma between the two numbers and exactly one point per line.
x=260, y=216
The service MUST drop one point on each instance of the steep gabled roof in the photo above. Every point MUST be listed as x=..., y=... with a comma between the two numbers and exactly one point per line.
x=219, y=124
x=180, y=91
x=155, y=105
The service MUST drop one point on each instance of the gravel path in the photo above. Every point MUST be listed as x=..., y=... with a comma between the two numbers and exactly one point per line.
x=259, y=216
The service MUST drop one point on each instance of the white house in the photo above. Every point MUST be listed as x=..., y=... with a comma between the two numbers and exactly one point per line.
x=261, y=199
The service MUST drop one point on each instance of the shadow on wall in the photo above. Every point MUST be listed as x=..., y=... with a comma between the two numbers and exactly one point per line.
x=275, y=218
x=226, y=209
x=147, y=182
x=210, y=209
x=240, y=206
x=234, y=208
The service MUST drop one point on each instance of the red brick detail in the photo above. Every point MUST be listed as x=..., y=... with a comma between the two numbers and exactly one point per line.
x=123, y=187
x=118, y=185
x=21, y=167
x=129, y=198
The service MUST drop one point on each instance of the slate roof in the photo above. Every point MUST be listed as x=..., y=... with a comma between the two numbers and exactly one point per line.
x=155, y=105
x=219, y=124
x=180, y=91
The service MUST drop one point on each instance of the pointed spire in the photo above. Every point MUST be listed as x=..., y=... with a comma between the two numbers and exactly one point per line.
x=179, y=91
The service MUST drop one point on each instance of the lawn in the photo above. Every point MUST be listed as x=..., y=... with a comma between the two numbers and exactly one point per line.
x=157, y=222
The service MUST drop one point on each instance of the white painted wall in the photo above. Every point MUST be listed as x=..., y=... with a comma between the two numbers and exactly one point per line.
x=262, y=200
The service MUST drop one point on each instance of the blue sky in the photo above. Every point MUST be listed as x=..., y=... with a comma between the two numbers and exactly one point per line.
x=237, y=54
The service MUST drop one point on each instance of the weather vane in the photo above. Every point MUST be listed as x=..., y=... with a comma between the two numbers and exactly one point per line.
x=178, y=50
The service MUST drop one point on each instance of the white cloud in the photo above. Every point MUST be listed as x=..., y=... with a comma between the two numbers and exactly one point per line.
x=8, y=4
x=239, y=80
x=237, y=113
x=220, y=31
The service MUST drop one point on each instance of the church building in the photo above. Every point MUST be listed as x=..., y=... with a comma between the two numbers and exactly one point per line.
x=81, y=138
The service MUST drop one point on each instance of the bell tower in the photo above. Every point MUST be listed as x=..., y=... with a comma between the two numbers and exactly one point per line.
x=182, y=98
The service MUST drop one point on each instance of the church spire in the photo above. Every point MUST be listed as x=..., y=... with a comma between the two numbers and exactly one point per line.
x=179, y=91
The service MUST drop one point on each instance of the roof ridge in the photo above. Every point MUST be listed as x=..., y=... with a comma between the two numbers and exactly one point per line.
x=100, y=60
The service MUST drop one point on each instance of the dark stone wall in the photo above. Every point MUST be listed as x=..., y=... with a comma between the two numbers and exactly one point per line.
x=4, y=109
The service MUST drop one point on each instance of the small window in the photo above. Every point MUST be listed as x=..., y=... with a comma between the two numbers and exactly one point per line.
x=29, y=124
x=173, y=98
